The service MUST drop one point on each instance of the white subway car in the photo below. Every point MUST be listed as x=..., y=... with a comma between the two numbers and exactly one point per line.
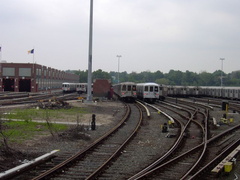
x=125, y=91
x=68, y=87
x=148, y=92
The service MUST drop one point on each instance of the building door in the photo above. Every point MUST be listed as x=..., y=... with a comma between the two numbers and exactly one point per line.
x=8, y=84
x=24, y=85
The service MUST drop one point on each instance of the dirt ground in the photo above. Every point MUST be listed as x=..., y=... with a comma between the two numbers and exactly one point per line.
x=106, y=112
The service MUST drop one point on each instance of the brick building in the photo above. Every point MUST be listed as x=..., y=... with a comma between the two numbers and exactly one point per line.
x=101, y=87
x=29, y=77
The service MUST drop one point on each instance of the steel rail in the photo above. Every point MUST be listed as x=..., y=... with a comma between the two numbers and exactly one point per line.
x=84, y=151
x=147, y=110
x=188, y=152
x=166, y=155
x=98, y=171
x=204, y=148
x=204, y=129
x=213, y=161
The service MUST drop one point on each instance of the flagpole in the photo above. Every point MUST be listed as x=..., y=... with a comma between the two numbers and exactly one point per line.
x=1, y=59
x=33, y=58
x=1, y=53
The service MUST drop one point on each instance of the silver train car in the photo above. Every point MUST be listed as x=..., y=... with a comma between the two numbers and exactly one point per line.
x=163, y=90
x=68, y=87
x=222, y=92
x=195, y=91
x=148, y=92
x=126, y=91
x=208, y=91
x=81, y=88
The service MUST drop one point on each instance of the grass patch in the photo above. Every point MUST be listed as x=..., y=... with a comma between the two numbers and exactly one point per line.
x=18, y=131
x=31, y=114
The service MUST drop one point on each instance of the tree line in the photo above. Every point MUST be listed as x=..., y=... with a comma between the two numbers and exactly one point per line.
x=173, y=77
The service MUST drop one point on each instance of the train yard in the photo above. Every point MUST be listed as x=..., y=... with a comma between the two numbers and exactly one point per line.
x=130, y=142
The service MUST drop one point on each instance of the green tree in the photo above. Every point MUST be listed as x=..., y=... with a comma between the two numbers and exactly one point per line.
x=99, y=74
x=162, y=81
x=175, y=77
x=206, y=79
x=158, y=75
x=83, y=76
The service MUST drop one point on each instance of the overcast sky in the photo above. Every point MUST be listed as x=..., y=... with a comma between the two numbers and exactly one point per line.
x=150, y=35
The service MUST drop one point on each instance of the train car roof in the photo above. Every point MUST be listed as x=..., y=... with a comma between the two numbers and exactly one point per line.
x=212, y=87
x=68, y=83
x=147, y=84
x=125, y=83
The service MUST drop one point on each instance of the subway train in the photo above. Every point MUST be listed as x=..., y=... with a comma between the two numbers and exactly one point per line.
x=74, y=87
x=145, y=91
x=163, y=90
x=148, y=92
x=151, y=92
x=206, y=91
x=68, y=87
x=125, y=91
x=81, y=87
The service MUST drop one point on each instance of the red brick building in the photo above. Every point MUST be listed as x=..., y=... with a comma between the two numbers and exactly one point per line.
x=28, y=77
x=101, y=87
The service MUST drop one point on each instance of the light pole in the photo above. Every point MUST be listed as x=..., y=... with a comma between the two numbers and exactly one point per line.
x=89, y=89
x=222, y=59
x=118, y=56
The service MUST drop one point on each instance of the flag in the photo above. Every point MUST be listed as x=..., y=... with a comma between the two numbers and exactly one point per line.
x=31, y=51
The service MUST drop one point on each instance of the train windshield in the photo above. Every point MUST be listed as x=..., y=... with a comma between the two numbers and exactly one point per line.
x=134, y=88
x=151, y=88
x=156, y=88
x=146, y=88
x=129, y=87
x=124, y=88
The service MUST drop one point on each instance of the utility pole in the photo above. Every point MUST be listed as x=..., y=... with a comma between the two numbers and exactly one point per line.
x=222, y=59
x=118, y=56
x=89, y=89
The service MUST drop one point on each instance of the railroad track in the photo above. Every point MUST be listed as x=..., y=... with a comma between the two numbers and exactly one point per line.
x=97, y=155
x=177, y=166
x=180, y=146
x=183, y=156
x=18, y=99
x=147, y=141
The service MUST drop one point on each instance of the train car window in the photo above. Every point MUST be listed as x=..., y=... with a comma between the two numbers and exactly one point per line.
x=129, y=88
x=146, y=88
x=156, y=88
x=124, y=88
x=134, y=88
x=151, y=88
